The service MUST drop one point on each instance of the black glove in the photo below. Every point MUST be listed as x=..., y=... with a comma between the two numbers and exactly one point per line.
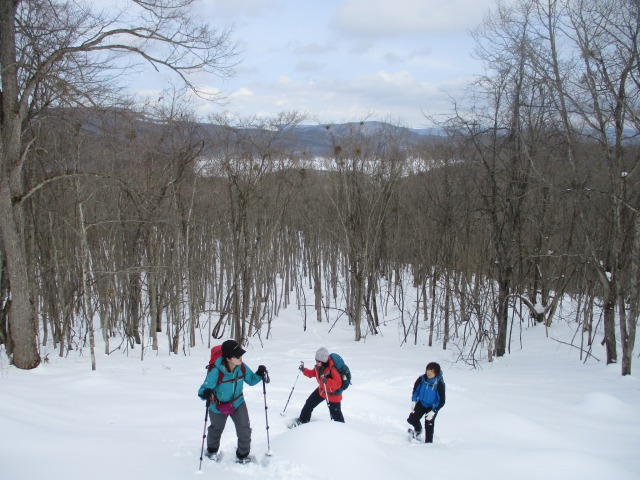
x=301, y=367
x=261, y=371
x=324, y=379
x=206, y=394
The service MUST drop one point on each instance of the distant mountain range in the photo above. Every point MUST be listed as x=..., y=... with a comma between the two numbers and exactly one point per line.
x=309, y=140
x=316, y=140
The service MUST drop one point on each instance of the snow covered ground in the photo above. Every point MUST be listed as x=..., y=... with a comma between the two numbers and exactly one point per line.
x=537, y=413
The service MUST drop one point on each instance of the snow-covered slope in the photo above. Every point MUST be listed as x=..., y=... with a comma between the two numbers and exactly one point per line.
x=537, y=413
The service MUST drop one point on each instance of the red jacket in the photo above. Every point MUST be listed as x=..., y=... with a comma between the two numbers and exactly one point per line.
x=332, y=376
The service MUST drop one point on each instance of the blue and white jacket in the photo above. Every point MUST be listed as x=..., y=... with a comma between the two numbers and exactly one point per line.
x=430, y=393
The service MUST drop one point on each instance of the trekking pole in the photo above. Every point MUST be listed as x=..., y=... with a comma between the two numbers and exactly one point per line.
x=204, y=433
x=326, y=397
x=294, y=386
x=265, y=380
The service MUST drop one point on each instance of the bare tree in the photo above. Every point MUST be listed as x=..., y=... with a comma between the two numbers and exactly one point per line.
x=61, y=53
x=368, y=166
x=595, y=89
x=251, y=155
x=557, y=130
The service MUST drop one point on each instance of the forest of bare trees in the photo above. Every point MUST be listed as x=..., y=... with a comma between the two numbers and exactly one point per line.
x=140, y=225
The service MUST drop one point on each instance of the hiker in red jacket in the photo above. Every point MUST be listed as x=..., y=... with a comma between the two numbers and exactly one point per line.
x=329, y=381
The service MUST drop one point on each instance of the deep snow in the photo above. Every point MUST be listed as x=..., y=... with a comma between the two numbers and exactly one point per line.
x=539, y=412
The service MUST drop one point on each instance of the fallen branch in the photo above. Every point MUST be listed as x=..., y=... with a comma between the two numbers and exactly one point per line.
x=579, y=348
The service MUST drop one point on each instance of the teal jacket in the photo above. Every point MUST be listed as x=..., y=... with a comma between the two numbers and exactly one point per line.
x=229, y=388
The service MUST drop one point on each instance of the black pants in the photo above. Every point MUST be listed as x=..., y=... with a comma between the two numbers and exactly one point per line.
x=414, y=420
x=313, y=401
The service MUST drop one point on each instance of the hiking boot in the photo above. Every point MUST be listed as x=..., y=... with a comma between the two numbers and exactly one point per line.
x=416, y=435
x=244, y=460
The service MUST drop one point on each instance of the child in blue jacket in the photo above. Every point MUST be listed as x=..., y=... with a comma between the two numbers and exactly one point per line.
x=428, y=398
x=222, y=389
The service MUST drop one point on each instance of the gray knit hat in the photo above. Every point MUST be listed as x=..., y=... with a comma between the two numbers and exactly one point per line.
x=322, y=355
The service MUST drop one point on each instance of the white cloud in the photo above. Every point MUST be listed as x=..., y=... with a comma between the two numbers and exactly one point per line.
x=393, y=58
x=308, y=66
x=378, y=95
x=243, y=93
x=374, y=18
x=314, y=48
x=232, y=9
x=400, y=79
x=382, y=61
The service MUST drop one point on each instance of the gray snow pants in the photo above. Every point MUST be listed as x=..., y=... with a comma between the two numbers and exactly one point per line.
x=243, y=430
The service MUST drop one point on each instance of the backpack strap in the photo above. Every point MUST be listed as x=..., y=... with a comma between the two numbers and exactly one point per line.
x=327, y=373
x=243, y=369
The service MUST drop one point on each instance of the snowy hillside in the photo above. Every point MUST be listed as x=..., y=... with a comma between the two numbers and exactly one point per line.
x=537, y=413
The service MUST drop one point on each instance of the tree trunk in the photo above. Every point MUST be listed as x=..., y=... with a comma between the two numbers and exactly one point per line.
x=503, y=317
x=610, y=327
x=22, y=315
x=629, y=330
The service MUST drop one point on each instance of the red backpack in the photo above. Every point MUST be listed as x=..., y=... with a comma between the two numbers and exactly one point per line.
x=216, y=353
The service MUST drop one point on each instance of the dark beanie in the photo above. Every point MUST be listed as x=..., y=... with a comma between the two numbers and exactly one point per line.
x=231, y=349
x=435, y=367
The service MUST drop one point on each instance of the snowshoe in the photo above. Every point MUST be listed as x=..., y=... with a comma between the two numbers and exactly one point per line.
x=244, y=460
x=295, y=423
x=215, y=456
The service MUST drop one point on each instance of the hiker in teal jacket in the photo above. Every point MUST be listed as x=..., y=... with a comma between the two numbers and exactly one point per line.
x=222, y=389
x=427, y=397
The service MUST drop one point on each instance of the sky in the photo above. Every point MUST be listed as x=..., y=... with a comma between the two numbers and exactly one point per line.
x=344, y=60
x=540, y=412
